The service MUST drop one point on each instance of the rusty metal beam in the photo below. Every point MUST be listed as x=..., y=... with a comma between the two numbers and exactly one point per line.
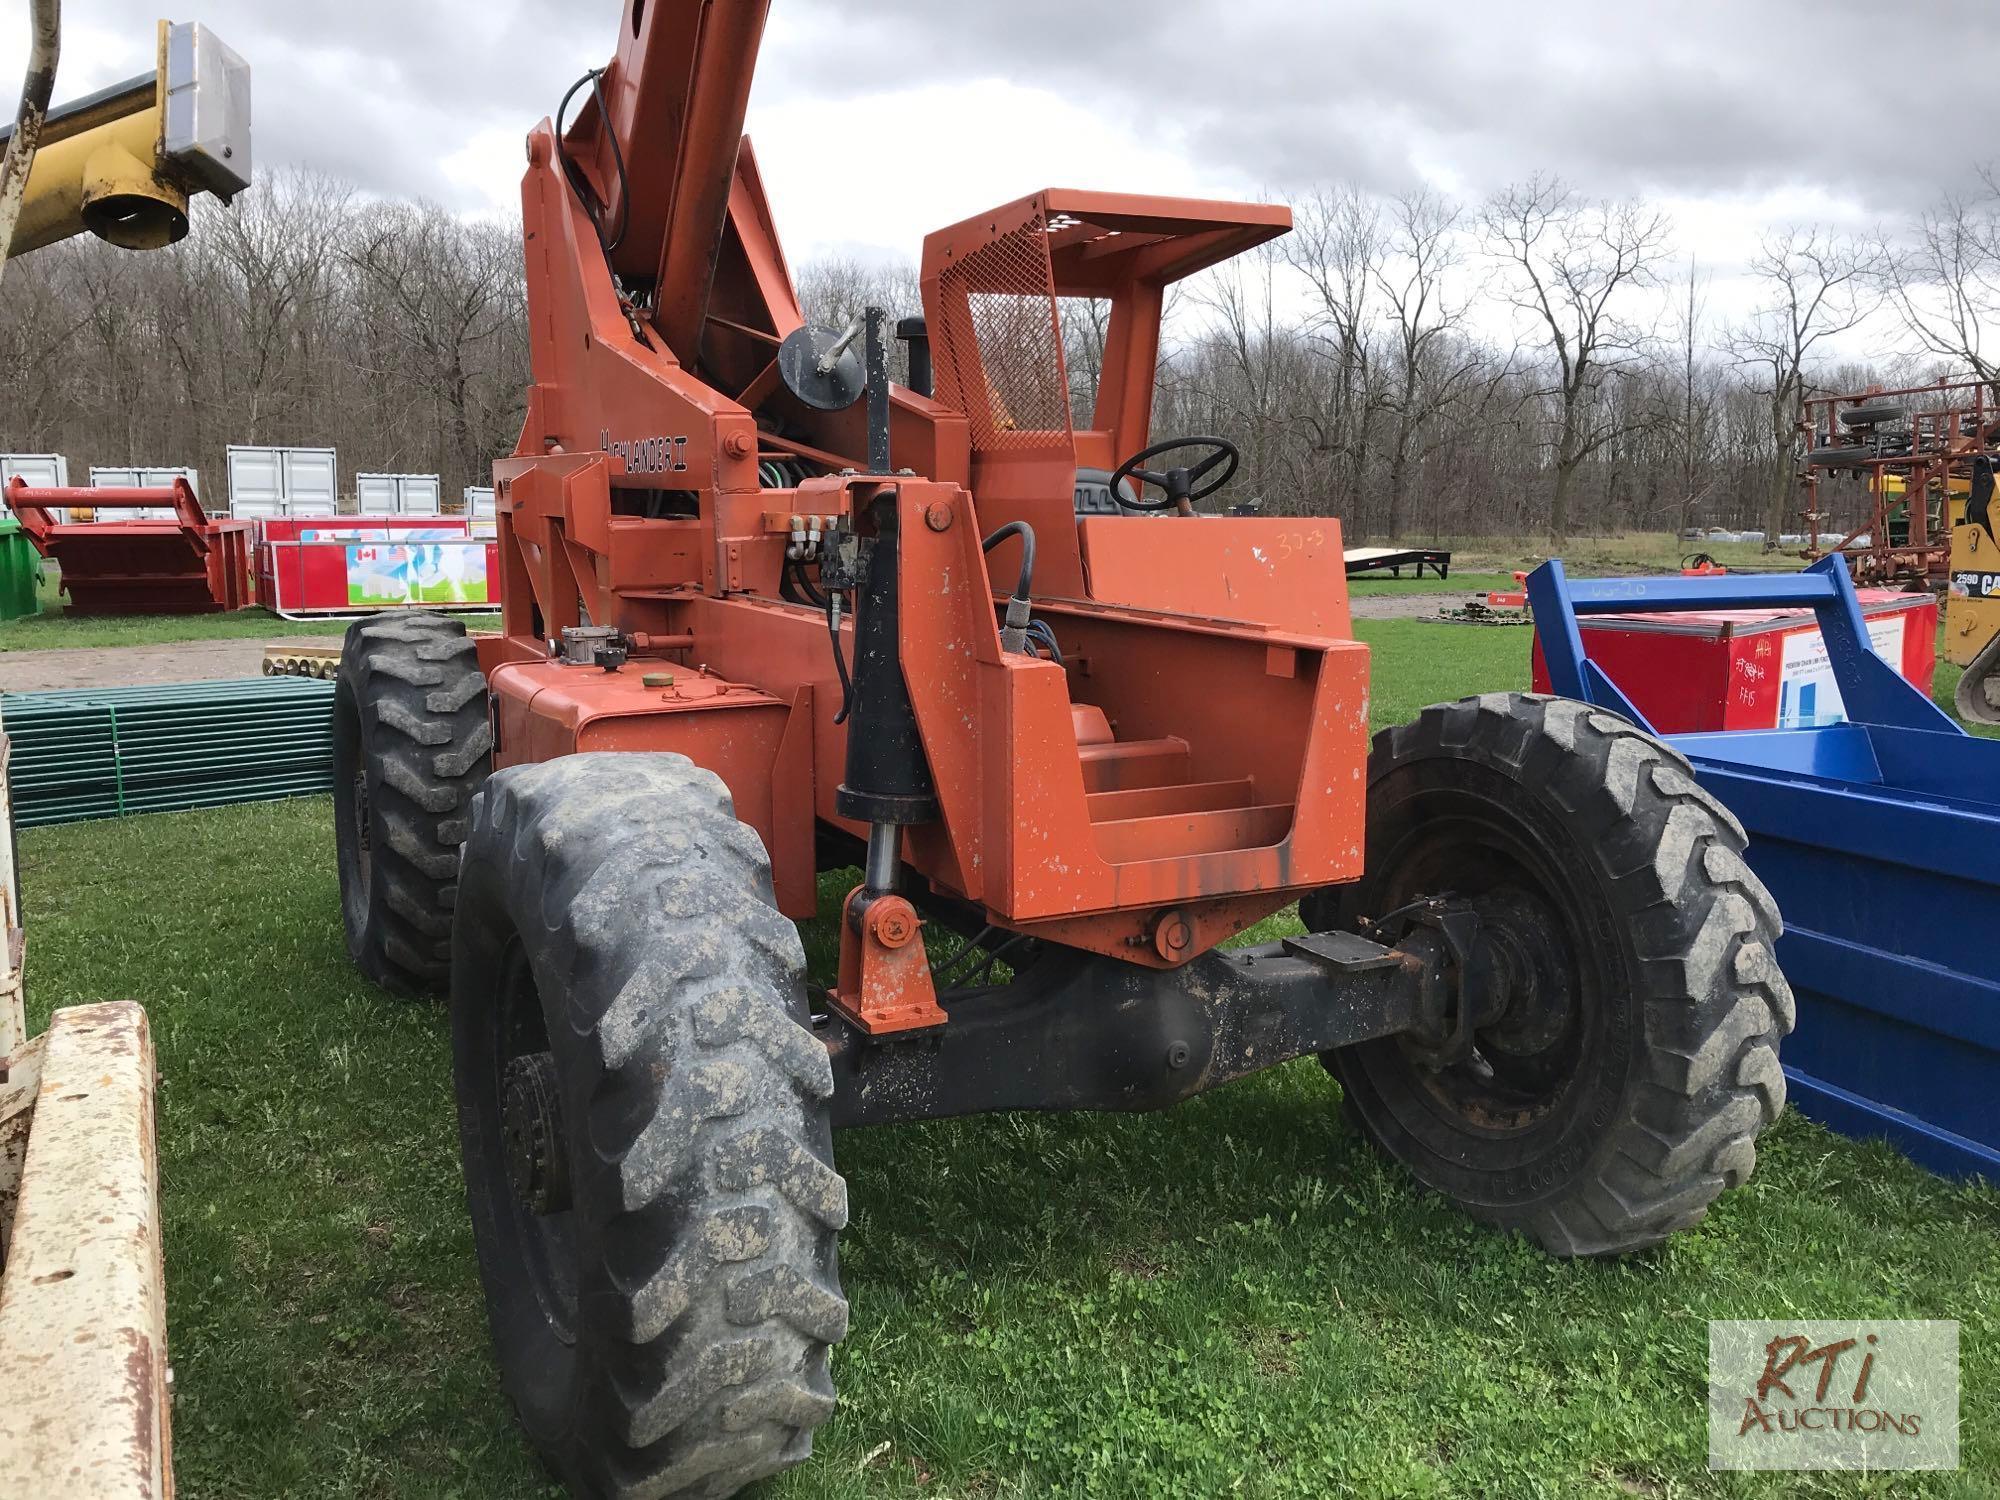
x=83, y=1333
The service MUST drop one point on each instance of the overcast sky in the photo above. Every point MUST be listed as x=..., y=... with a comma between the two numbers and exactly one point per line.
x=877, y=120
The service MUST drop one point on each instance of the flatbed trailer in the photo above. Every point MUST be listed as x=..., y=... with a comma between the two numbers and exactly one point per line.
x=1361, y=560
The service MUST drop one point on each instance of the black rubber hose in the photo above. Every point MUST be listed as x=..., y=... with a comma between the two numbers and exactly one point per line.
x=1025, y=588
x=575, y=174
x=617, y=156
x=993, y=956
x=1041, y=630
x=839, y=665
x=944, y=966
x=795, y=570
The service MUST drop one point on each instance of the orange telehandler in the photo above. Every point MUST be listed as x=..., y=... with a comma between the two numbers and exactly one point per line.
x=769, y=615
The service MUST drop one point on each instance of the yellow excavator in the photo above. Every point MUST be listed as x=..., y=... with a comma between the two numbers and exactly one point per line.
x=1972, y=616
x=85, y=1389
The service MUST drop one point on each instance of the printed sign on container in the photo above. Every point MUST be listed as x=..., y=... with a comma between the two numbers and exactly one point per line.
x=1807, y=693
x=416, y=572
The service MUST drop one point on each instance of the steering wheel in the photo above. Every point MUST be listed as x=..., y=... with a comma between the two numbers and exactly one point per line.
x=1182, y=485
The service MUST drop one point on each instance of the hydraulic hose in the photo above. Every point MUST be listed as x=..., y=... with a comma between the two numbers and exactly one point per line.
x=575, y=174
x=1014, y=634
x=1026, y=587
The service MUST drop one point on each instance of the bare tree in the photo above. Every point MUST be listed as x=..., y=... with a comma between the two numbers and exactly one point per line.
x=837, y=289
x=1818, y=285
x=1337, y=245
x=1349, y=369
x=1086, y=324
x=1569, y=265
x=1434, y=367
x=441, y=290
x=1247, y=377
x=275, y=251
x=1944, y=279
x=41, y=315
x=1691, y=417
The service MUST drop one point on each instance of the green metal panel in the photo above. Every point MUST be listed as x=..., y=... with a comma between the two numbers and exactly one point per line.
x=20, y=572
x=104, y=752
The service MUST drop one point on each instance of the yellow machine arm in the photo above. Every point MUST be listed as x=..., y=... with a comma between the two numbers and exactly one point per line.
x=122, y=163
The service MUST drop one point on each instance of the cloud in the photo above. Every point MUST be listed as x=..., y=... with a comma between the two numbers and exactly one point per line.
x=1703, y=97
x=391, y=95
x=879, y=118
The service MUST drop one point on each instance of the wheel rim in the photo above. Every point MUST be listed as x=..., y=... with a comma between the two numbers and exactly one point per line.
x=1529, y=1055
x=544, y=1242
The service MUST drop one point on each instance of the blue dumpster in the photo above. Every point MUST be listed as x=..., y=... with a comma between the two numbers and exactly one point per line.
x=1880, y=839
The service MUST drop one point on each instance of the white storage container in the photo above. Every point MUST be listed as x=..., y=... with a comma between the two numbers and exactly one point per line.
x=145, y=479
x=270, y=482
x=398, y=494
x=42, y=470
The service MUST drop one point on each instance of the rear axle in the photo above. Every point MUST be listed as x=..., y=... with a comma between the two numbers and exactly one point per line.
x=1082, y=1031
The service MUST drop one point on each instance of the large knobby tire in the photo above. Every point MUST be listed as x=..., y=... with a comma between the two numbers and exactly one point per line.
x=411, y=746
x=1613, y=1105
x=1872, y=413
x=644, y=1119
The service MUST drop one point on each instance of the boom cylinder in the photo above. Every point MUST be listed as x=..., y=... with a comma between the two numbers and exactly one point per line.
x=888, y=782
x=885, y=856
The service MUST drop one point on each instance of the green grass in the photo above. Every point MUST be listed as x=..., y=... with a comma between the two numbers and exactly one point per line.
x=1235, y=1297
x=1417, y=662
x=1945, y=685
x=1458, y=583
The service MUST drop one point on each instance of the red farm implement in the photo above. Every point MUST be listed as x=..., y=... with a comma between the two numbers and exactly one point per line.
x=1913, y=450
x=191, y=564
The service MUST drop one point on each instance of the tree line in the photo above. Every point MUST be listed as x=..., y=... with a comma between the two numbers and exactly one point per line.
x=1536, y=363
x=303, y=315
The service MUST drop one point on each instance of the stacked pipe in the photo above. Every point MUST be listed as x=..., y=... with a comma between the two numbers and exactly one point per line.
x=105, y=752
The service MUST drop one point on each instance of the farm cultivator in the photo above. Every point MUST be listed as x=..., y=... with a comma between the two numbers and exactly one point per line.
x=767, y=615
x=1913, y=448
x=1926, y=454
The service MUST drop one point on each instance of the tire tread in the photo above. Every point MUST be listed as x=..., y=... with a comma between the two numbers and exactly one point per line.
x=1714, y=1004
x=706, y=1100
x=413, y=684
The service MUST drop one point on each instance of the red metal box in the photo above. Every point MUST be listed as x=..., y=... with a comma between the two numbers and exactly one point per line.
x=361, y=565
x=1747, y=668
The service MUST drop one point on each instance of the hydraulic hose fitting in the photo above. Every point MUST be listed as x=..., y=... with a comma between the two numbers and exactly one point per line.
x=1014, y=634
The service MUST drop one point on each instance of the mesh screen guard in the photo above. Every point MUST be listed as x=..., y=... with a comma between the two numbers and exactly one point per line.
x=999, y=352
